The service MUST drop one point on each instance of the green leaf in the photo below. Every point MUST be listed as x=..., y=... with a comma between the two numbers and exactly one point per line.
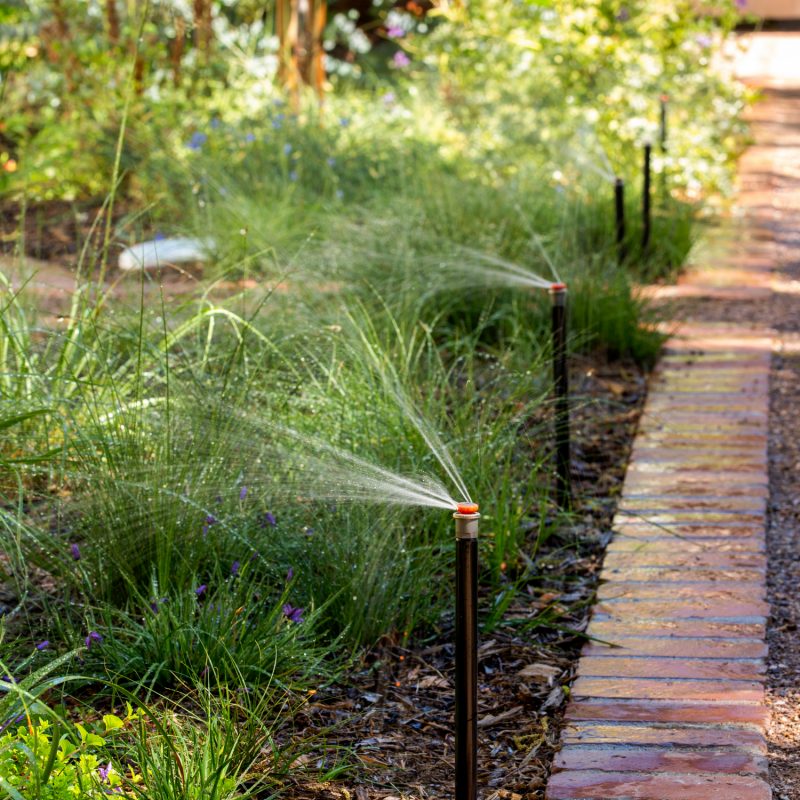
x=112, y=722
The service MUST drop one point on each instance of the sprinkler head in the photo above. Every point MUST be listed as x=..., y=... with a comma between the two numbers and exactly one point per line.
x=557, y=288
x=466, y=518
x=664, y=98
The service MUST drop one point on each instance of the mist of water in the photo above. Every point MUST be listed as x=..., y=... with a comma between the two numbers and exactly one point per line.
x=477, y=268
x=330, y=472
x=591, y=155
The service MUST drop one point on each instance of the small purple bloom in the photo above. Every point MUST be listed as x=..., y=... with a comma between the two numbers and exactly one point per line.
x=243, y=493
x=215, y=122
x=741, y=4
x=389, y=98
x=197, y=141
x=287, y=149
x=344, y=122
x=103, y=772
x=93, y=636
x=250, y=137
x=292, y=614
x=160, y=236
x=400, y=60
x=395, y=32
x=235, y=568
x=201, y=590
x=330, y=161
x=624, y=15
x=269, y=519
x=289, y=575
x=703, y=39
x=76, y=552
x=43, y=645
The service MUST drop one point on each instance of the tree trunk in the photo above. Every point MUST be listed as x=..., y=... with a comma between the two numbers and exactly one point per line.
x=176, y=49
x=112, y=21
x=300, y=25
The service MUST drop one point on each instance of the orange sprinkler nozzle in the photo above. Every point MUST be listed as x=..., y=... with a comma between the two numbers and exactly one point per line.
x=558, y=287
x=467, y=508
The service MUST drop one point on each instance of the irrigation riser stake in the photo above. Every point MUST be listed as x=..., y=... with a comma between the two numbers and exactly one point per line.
x=466, y=700
x=662, y=138
x=558, y=297
x=646, y=211
x=619, y=218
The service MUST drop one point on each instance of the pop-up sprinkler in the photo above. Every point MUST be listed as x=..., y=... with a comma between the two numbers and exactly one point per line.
x=466, y=518
x=558, y=297
x=646, y=215
x=619, y=216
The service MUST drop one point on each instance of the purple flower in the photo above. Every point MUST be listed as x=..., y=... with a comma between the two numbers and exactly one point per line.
x=400, y=60
x=93, y=636
x=330, y=161
x=741, y=4
x=395, y=32
x=43, y=645
x=160, y=236
x=243, y=493
x=197, y=141
x=210, y=520
x=624, y=15
x=250, y=137
x=287, y=149
x=215, y=123
x=389, y=98
x=201, y=590
x=292, y=614
x=268, y=519
x=289, y=575
x=103, y=772
x=344, y=122
x=235, y=568
x=703, y=39
x=76, y=551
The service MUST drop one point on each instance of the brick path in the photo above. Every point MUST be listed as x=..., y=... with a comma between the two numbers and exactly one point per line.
x=669, y=700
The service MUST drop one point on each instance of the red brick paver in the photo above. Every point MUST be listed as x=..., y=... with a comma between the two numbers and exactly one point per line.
x=668, y=703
